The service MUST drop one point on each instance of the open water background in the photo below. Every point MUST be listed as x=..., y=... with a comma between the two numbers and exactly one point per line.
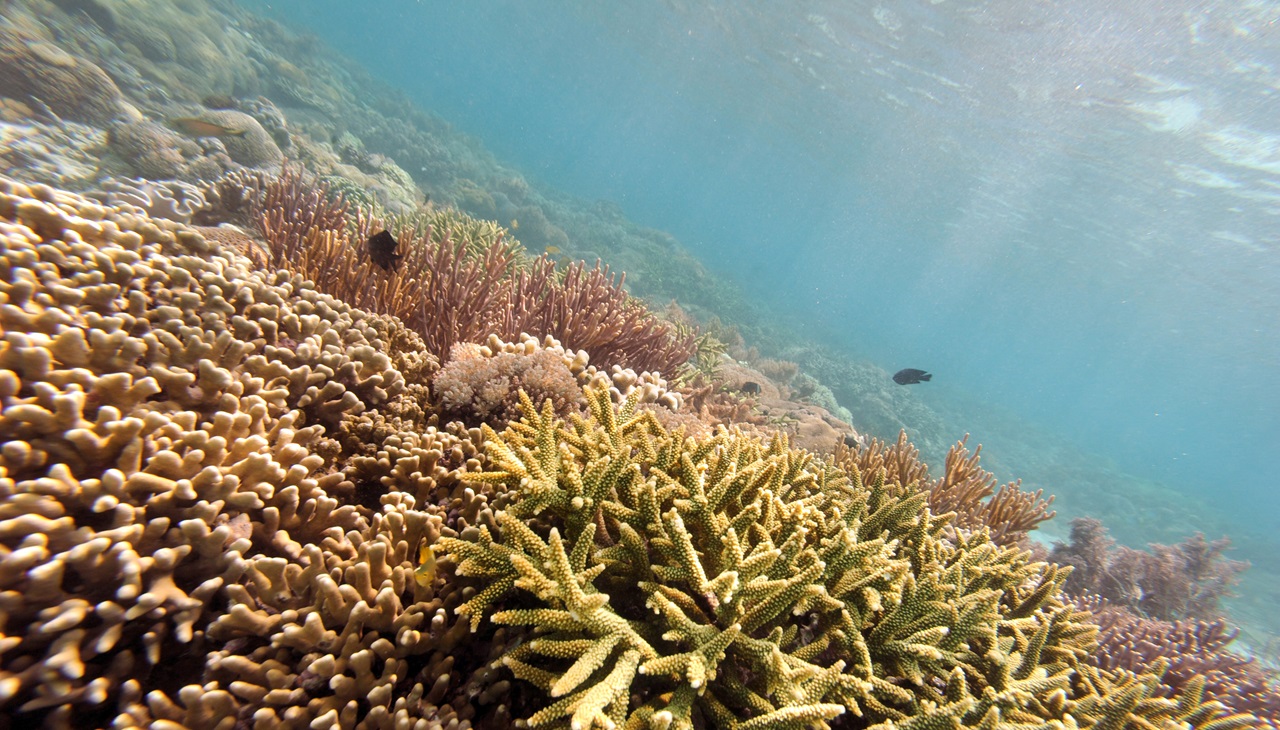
x=1066, y=210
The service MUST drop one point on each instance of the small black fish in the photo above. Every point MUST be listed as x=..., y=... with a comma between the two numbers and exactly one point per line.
x=751, y=388
x=911, y=376
x=382, y=251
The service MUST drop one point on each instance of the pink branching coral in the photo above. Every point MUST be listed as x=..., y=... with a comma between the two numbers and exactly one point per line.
x=290, y=210
x=454, y=285
x=1130, y=642
x=586, y=309
x=1170, y=582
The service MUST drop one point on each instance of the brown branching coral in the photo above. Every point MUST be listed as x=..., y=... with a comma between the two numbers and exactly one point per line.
x=290, y=212
x=1184, y=581
x=587, y=309
x=1195, y=651
x=965, y=488
x=460, y=280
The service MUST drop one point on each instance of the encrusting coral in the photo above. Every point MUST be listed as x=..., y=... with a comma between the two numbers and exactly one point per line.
x=665, y=581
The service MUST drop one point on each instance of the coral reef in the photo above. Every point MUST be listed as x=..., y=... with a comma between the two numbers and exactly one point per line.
x=1184, y=581
x=1196, y=651
x=74, y=88
x=664, y=581
x=221, y=487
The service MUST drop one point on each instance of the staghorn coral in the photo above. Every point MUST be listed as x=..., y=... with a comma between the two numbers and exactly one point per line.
x=963, y=488
x=1184, y=581
x=666, y=581
x=1195, y=651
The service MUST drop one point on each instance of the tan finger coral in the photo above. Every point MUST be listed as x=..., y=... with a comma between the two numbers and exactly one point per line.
x=165, y=417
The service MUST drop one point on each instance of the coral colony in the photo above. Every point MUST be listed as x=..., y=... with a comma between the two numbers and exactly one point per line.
x=253, y=476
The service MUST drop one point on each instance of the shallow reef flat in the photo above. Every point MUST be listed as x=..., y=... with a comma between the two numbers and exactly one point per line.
x=230, y=500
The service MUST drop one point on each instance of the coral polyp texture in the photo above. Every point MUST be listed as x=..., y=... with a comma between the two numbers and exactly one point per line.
x=176, y=542
x=665, y=581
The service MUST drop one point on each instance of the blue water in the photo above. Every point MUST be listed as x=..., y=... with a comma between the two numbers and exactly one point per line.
x=1066, y=210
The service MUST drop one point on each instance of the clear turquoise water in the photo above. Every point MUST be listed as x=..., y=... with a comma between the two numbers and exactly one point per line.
x=1066, y=211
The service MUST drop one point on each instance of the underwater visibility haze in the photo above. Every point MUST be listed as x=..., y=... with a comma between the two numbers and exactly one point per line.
x=1065, y=209
x=325, y=401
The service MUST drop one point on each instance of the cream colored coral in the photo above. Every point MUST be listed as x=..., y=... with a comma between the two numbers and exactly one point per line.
x=621, y=381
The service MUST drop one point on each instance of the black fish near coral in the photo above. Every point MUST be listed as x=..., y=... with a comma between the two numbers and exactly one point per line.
x=911, y=376
x=382, y=250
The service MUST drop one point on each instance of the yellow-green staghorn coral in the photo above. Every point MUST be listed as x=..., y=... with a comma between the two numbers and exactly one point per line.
x=672, y=582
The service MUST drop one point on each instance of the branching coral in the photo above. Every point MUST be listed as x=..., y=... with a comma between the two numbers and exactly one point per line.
x=673, y=582
x=964, y=487
x=587, y=309
x=290, y=213
x=461, y=280
x=1170, y=582
x=1195, y=651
